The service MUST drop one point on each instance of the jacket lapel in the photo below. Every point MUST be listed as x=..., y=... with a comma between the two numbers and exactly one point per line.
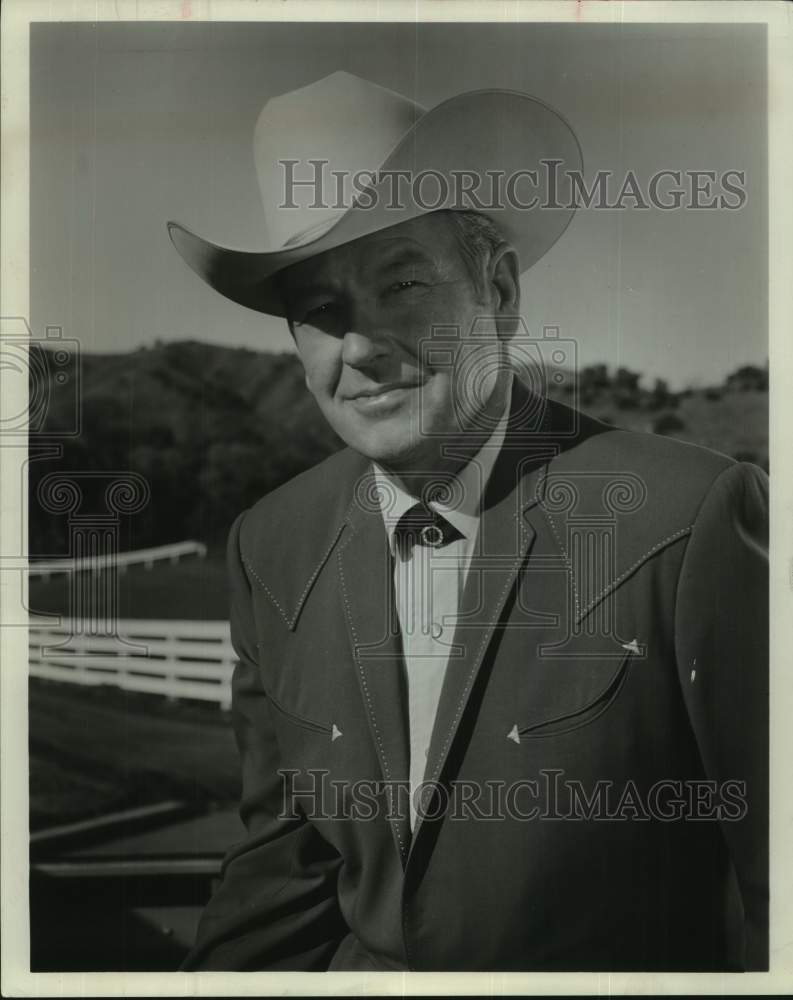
x=366, y=581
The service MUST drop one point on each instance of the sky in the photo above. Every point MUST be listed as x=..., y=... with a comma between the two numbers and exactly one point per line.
x=135, y=124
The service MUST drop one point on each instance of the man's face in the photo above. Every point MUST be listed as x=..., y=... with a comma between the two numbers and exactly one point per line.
x=361, y=316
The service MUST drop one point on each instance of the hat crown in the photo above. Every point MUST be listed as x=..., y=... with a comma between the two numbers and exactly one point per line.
x=347, y=126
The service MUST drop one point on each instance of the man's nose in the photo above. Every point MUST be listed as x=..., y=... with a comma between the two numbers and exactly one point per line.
x=365, y=340
x=362, y=349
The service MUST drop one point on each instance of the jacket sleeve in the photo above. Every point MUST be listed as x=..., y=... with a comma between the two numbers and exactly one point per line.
x=276, y=906
x=721, y=636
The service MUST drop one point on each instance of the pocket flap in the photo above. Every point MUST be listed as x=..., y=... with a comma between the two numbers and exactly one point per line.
x=571, y=680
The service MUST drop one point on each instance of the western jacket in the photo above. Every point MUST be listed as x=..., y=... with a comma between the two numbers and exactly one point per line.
x=598, y=767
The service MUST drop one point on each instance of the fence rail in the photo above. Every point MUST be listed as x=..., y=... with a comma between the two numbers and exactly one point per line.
x=178, y=659
x=118, y=560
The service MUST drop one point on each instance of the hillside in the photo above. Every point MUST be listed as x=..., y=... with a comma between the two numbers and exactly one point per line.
x=212, y=428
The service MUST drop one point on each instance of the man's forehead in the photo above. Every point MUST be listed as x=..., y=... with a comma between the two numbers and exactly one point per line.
x=426, y=240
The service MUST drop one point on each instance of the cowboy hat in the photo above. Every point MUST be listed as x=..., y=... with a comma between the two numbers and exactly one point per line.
x=343, y=158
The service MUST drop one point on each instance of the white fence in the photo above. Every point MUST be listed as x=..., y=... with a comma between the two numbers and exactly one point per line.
x=179, y=659
x=120, y=560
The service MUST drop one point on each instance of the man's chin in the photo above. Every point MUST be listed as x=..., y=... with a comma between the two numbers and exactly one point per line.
x=394, y=460
x=394, y=455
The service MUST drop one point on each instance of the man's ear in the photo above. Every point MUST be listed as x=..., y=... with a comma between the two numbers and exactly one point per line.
x=504, y=278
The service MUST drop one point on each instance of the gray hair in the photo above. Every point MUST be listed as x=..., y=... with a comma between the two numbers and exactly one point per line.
x=478, y=238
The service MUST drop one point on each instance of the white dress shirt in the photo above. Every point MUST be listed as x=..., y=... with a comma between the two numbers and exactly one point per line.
x=428, y=583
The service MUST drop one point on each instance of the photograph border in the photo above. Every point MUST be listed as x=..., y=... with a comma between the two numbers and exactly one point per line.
x=17, y=980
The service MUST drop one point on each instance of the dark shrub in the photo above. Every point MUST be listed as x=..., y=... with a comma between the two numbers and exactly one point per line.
x=668, y=423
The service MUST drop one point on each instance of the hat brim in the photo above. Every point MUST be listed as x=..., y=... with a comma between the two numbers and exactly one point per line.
x=475, y=133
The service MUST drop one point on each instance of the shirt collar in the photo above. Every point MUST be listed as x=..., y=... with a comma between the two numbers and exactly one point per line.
x=463, y=507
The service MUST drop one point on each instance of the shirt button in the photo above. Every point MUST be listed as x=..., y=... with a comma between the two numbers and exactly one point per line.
x=437, y=630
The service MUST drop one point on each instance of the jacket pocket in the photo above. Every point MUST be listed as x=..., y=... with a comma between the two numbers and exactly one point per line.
x=317, y=727
x=582, y=716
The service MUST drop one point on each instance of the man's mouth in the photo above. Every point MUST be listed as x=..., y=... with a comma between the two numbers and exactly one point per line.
x=383, y=387
x=383, y=396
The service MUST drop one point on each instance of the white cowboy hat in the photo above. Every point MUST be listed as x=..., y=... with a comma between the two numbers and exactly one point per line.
x=331, y=131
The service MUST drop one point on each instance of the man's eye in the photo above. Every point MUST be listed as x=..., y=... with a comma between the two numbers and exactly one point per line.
x=316, y=312
x=402, y=286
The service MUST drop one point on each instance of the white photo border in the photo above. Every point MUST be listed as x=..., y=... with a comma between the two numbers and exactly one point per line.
x=17, y=980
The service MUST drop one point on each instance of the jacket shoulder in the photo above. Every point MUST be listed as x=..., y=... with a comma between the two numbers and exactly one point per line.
x=586, y=440
x=648, y=490
x=306, y=504
x=668, y=472
x=657, y=459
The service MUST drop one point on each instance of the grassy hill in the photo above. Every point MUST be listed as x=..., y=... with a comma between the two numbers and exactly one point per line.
x=732, y=418
x=210, y=428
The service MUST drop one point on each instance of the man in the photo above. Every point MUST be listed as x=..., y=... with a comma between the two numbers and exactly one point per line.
x=501, y=700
